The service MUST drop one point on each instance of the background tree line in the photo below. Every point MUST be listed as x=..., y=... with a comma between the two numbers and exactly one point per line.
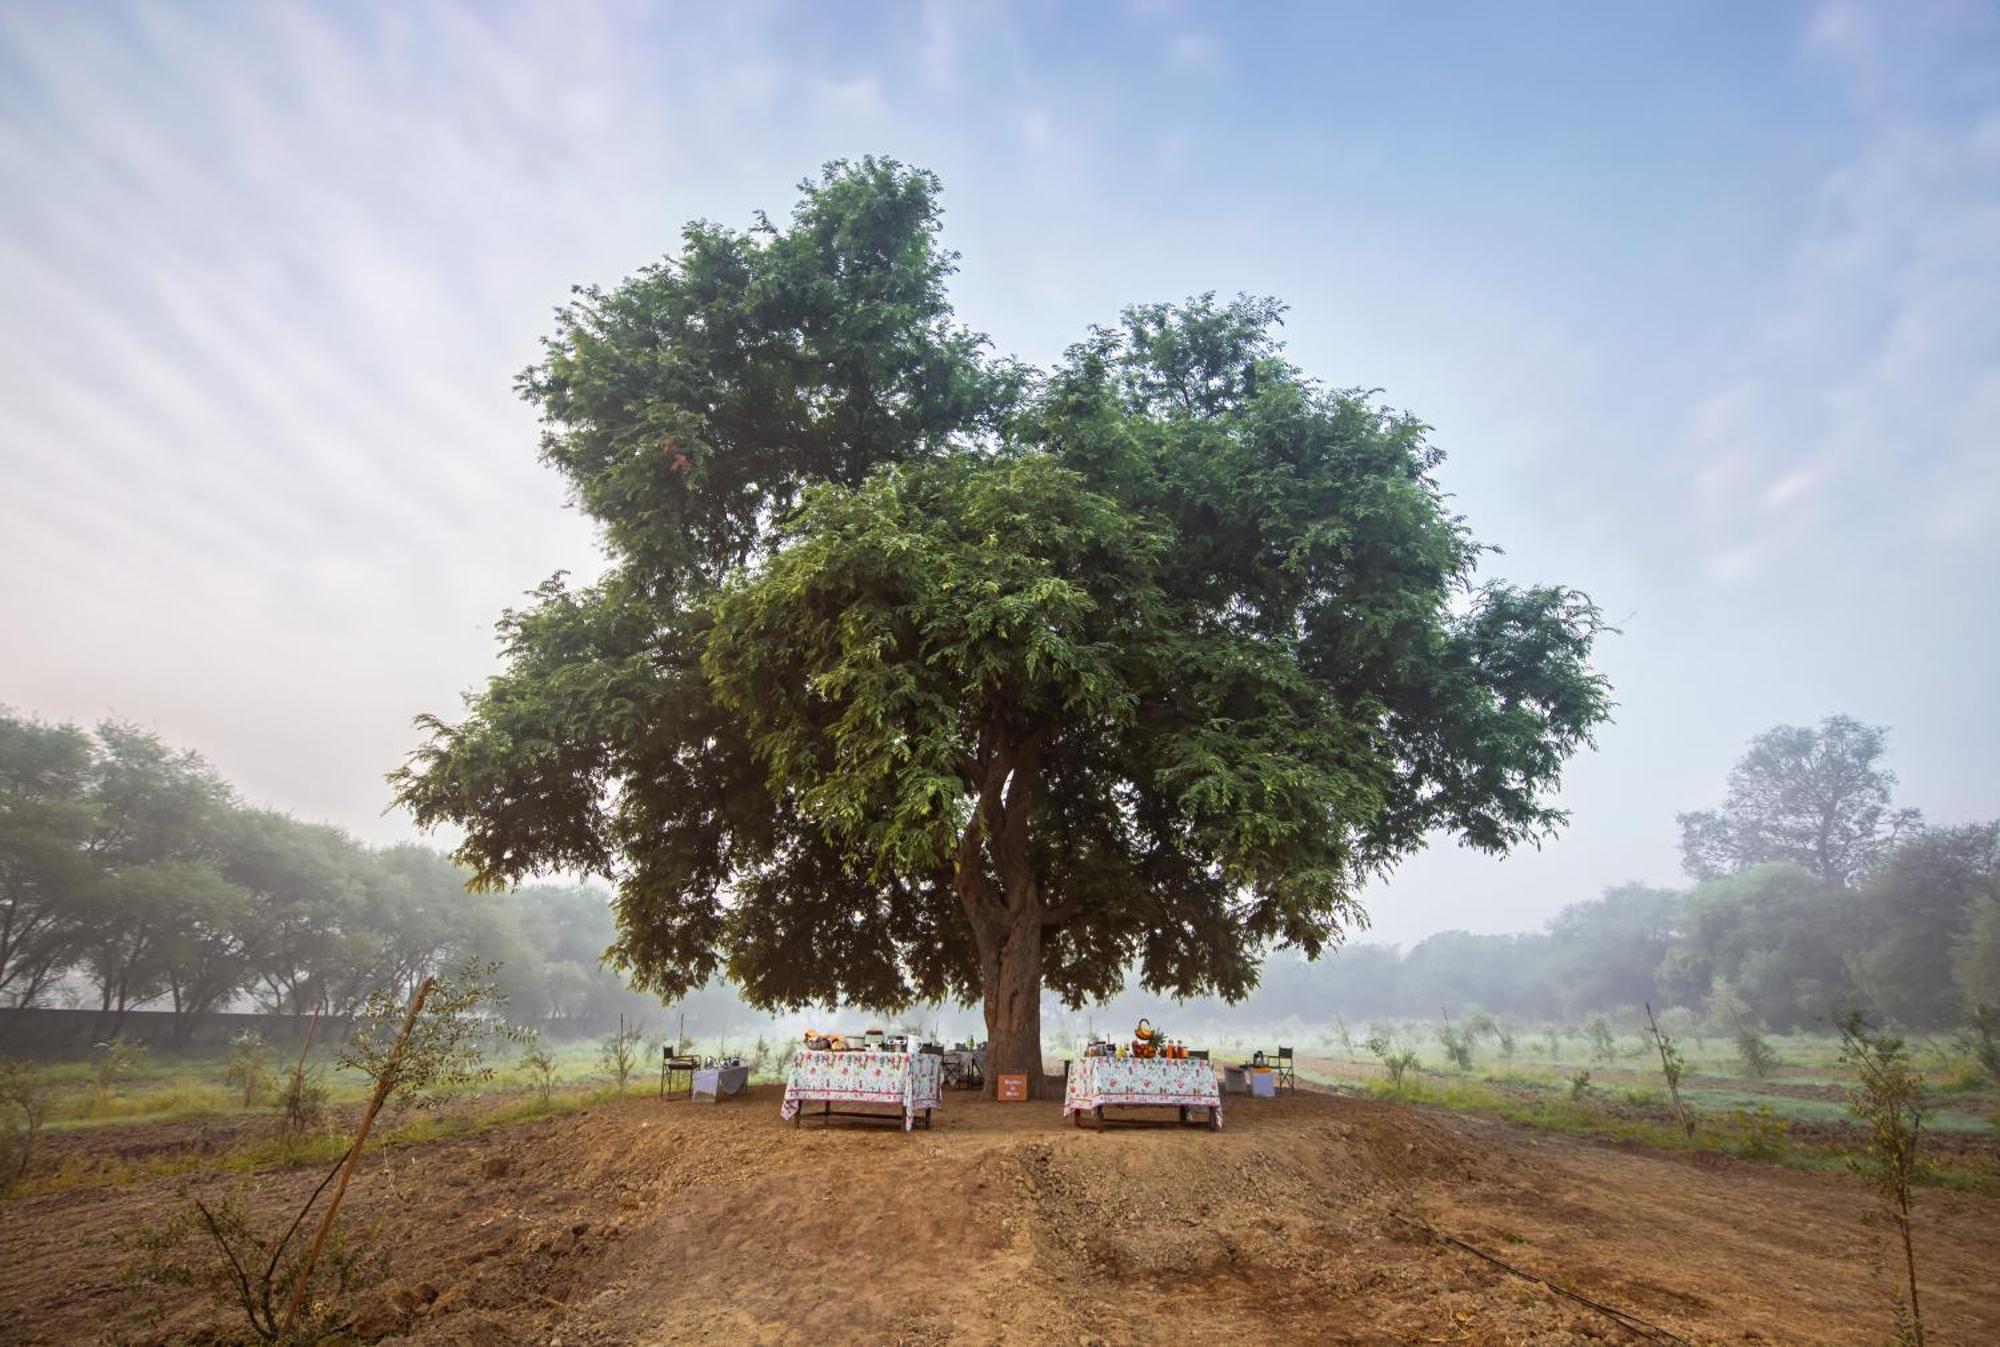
x=132, y=875
x=1812, y=894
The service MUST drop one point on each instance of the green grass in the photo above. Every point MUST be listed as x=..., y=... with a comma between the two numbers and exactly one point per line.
x=1727, y=1132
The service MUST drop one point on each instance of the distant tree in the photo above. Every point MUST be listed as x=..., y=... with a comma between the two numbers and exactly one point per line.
x=48, y=880
x=1777, y=937
x=1500, y=973
x=1607, y=951
x=1916, y=906
x=1975, y=956
x=159, y=838
x=918, y=677
x=304, y=883
x=205, y=944
x=1816, y=797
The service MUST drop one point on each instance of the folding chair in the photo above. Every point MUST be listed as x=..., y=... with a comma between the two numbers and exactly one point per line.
x=1286, y=1074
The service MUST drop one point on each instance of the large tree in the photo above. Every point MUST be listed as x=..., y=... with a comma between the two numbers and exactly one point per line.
x=49, y=887
x=920, y=675
x=1815, y=796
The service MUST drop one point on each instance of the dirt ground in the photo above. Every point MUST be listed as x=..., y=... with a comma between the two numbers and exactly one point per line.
x=662, y=1223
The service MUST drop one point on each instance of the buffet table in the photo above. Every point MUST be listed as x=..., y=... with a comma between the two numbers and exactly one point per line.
x=1098, y=1083
x=912, y=1082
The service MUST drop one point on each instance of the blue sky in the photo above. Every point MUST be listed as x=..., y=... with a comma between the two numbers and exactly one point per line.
x=1700, y=299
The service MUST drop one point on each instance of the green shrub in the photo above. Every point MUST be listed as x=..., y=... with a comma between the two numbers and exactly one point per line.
x=24, y=1107
x=1889, y=1100
x=1754, y=1053
x=115, y=1061
x=1603, y=1044
x=249, y=1066
x=1758, y=1133
x=1457, y=1044
x=1981, y=1038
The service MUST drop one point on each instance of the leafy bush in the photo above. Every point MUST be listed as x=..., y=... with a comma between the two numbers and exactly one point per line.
x=1397, y=1063
x=249, y=1066
x=1889, y=1100
x=1579, y=1085
x=540, y=1064
x=116, y=1061
x=446, y=1048
x=1754, y=1053
x=620, y=1052
x=213, y=1246
x=1603, y=1044
x=1457, y=1044
x=24, y=1107
x=1758, y=1133
x=1981, y=1038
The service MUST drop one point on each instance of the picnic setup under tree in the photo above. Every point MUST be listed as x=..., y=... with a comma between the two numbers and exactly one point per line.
x=917, y=674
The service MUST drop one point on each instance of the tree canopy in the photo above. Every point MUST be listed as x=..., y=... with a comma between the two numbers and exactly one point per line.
x=917, y=673
x=133, y=867
x=1814, y=796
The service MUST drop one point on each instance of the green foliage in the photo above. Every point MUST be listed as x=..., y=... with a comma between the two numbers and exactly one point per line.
x=249, y=1066
x=115, y=1061
x=1754, y=1054
x=620, y=1052
x=133, y=866
x=1457, y=1044
x=1579, y=1085
x=49, y=896
x=1888, y=1101
x=300, y=1107
x=1981, y=1038
x=1397, y=1063
x=540, y=1064
x=24, y=1107
x=1777, y=937
x=1975, y=955
x=214, y=1246
x=446, y=1049
x=1759, y=1133
x=1672, y=1067
x=914, y=669
x=1603, y=1045
x=1816, y=798
x=1914, y=916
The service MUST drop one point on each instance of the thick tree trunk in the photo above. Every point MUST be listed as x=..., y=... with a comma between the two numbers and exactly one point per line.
x=1010, y=967
x=1007, y=916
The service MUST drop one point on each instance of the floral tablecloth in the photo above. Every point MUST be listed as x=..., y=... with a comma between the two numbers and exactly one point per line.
x=1097, y=1081
x=913, y=1080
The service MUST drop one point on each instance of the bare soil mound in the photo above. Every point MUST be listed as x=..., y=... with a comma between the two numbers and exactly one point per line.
x=646, y=1223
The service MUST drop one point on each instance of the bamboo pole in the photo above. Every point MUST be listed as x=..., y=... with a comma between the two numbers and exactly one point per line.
x=383, y=1084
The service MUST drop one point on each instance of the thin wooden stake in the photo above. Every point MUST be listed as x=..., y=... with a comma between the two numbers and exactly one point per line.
x=382, y=1086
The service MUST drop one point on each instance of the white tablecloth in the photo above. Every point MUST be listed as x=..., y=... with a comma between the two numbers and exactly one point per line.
x=915, y=1081
x=716, y=1081
x=1098, y=1081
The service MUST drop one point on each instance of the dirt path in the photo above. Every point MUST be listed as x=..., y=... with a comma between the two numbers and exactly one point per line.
x=643, y=1223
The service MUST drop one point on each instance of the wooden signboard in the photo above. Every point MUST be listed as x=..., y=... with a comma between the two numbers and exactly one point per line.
x=1013, y=1089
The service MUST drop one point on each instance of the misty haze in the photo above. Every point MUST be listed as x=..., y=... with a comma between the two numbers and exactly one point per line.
x=929, y=674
